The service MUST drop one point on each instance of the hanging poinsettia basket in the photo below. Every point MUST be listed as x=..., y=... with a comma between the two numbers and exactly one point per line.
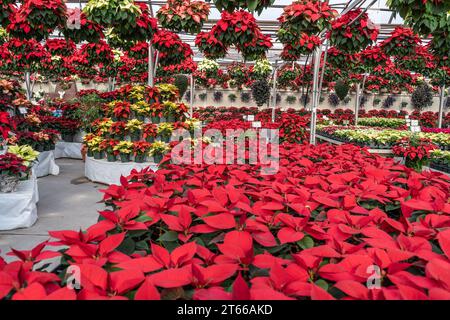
x=79, y=65
x=422, y=61
x=440, y=46
x=97, y=53
x=305, y=45
x=175, y=56
x=424, y=16
x=372, y=57
x=183, y=15
x=119, y=14
x=256, y=49
x=353, y=32
x=401, y=43
x=79, y=28
x=139, y=51
x=236, y=28
x=252, y=5
x=36, y=19
x=310, y=16
x=186, y=67
x=60, y=47
x=171, y=49
x=208, y=44
x=6, y=8
x=144, y=28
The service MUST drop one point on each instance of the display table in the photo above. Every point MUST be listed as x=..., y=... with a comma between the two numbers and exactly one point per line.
x=332, y=141
x=68, y=150
x=18, y=209
x=46, y=164
x=110, y=172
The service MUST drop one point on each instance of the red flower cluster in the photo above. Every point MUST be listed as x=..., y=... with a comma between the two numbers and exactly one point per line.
x=304, y=45
x=171, y=49
x=372, y=57
x=310, y=16
x=352, y=38
x=402, y=42
x=317, y=230
x=11, y=164
x=60, y=47
x=236, y=28
x=36, y=19
x=208, y=44
x=97, y=53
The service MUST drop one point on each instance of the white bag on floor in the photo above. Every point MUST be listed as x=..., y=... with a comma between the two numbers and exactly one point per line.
x=18, y=209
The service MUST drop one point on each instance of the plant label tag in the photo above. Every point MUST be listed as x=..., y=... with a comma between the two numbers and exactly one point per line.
x=250, y=117
x=23, y=110
x=414, y=122
x=256, y=124
x=187, y=115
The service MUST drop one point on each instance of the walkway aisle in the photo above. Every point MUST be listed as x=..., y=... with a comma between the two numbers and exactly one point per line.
x=66, y=201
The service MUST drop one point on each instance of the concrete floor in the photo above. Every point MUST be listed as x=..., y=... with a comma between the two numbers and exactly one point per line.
x=66, y=201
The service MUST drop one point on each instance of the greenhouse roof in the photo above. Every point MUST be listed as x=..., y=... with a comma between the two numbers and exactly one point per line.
x=377, y=10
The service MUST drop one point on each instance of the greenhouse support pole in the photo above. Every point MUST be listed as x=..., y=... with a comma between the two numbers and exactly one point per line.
x=358, y=89
x=316, y=94
x=441, y=106
x=151, y=80
x=274, y=91
x=191, y=108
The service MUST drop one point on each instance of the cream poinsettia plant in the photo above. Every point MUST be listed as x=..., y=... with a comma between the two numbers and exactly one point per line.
x=25, y=152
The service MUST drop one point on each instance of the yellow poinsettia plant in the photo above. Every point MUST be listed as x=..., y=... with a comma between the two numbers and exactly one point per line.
x=25, y=152
x=134, y=125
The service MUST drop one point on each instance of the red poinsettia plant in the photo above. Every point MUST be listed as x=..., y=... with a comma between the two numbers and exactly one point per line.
x=97, y=53
x=60, y=47
x=107, y=145
x=118, y=129
x=402, y=42
x=310, y=16
x=149, y=130
x=256, y=49
x=372, y=57
x=171, y=49
x=302, y=46
x=183, y=15
x=236, y=28
x=415, y=151
x=12, y=165
x=6, y=125
x=210, y=46
x=353, y=31
x=79, y=28
x=141, y=148
x=6, y=8
x=121, y=110
x=36, y=19
x=272, y=240
x=26, y=54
